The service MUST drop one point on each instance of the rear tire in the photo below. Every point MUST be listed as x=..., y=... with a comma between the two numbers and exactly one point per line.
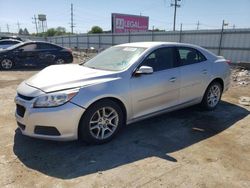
x=60, y=61
x=212, y=96
x=7, y=64
x=101, y=122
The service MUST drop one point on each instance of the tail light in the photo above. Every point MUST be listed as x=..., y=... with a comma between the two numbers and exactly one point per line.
x=228, y=62
x=69, y=50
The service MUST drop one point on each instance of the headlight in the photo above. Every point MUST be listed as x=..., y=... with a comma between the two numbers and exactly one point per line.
x=54, y=99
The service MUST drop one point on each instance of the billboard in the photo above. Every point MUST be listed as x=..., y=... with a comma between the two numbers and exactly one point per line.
x=124, y=23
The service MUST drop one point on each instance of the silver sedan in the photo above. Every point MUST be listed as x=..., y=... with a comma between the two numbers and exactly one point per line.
x=121, y=85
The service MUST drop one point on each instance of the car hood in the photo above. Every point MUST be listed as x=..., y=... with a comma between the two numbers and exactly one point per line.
x=60, y=77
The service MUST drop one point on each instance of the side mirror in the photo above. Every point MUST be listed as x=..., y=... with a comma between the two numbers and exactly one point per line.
x=18, y=50
x=144, y=70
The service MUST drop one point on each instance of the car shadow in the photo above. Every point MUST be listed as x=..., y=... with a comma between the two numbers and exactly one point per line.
x=157, y=137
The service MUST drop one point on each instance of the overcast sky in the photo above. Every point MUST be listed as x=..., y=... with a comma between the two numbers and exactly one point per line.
x=87, y=13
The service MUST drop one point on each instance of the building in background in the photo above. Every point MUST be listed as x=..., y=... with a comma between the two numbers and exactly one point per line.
x=124, y=23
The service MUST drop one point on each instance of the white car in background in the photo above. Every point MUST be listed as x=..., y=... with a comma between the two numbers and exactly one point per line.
x=121, y=85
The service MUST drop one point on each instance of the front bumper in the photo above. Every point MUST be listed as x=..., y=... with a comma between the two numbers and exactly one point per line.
x=64, y=119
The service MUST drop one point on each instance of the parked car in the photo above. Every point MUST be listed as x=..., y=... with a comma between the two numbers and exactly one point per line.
x=8, y=42
x=121, y=85
x=34, y=54
x=11, y=37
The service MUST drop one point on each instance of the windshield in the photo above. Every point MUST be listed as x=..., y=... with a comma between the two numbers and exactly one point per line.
x=115, y=58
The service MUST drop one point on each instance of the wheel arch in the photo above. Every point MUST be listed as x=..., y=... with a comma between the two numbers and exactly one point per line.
x=220, y=81
x=114, y=99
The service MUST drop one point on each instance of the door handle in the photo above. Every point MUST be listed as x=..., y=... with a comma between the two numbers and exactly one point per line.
x=204, y=71
x=172, y=79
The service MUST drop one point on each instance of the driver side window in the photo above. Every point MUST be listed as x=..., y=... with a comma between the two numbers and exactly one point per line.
x=160, y=59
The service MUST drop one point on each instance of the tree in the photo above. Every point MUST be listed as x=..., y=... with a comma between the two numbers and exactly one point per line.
x=20, y=32
x=25, y=31
x=96, y=29
x=50, y=32
x=55, y=32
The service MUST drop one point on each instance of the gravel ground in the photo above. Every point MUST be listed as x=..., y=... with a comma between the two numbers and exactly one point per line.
x=186, y=148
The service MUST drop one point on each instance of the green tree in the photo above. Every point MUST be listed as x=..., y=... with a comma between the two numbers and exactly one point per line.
x=20, y=32
x=96, y=29
x=25, y=31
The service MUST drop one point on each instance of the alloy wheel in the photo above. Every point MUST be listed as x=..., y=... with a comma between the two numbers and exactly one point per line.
x=6, y=64
x=60, y=61
x=213, y=96
x=103, y=123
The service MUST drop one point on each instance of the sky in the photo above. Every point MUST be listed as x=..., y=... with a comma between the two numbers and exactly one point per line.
x=87, y=13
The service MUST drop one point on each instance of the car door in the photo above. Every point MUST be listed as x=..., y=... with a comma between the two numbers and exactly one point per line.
x=159, y=90
x=46, y=53
x=26, y=54
x=194, y=74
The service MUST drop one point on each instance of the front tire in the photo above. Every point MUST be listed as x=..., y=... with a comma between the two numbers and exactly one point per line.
x=7, y=64
x=212, y=96
x=101, y=122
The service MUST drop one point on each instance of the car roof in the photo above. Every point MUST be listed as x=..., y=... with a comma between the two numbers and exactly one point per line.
x=155, y=44
x=41, y=42
x=4, y=40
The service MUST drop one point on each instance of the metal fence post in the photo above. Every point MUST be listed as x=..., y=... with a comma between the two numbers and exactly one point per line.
x=129, y=37
x=77, y=42
x=87, y=40
x=99, y=41
x=69, y=42
x=180, y=33
x=56, y=40
x=62, y=41
x=112, y=39
x=152, y=37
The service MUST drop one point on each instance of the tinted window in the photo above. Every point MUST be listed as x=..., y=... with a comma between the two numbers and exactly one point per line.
x=8, y=42
x=44, y=46
x=189, y=56
x=160, y=59
x=28, y=47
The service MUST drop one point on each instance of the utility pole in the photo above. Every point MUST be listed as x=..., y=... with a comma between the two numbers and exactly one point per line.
x=8, y=28
x=176, y=5
x=221, y=35
x=72, y=20
x=18, y=26
x=35, y=22
x=198, y=25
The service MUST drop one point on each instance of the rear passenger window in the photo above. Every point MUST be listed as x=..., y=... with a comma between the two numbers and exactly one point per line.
x=45, y=46
x=160, y=59
x=189, y=56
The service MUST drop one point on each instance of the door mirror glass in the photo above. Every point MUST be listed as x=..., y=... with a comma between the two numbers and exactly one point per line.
x=144, y=70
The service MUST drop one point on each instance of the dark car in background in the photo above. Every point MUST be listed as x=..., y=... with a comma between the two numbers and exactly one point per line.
x=34, y=53
x=11, y=37
x=5, y=43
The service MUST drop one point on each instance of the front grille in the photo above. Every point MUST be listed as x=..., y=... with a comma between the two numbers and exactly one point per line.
x=21, y=126
x=44, y=130
x=20, y=110
x=25, y=97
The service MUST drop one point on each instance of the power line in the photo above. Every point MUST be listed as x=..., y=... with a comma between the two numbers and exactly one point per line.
x=176, y=5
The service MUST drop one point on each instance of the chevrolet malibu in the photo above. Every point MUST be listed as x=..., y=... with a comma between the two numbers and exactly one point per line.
x=121, y=85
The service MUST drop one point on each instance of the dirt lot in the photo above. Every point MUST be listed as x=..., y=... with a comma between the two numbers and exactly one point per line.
x=186, y=148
